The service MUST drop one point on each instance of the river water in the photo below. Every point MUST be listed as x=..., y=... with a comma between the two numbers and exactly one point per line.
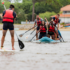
x=36, y=56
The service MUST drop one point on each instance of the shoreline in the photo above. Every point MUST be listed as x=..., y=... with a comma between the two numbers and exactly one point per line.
x=28, y=26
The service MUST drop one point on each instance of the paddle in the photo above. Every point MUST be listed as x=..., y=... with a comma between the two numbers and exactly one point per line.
x=21, y=45
x=60, y=35
x=32, y=31
x=32, y=37
x=4, y=5
x=29, y=36
x=59, y=38
x=26, y=31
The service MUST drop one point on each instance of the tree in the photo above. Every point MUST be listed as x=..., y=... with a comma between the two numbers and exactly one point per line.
x=33, y=11
x=21, y=16
x=34, y=1
x=1, y=7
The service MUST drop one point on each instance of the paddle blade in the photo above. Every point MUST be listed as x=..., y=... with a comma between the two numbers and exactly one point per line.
x=21, y=45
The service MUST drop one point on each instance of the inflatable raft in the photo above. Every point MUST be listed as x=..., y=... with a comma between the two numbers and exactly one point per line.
x=47, y=40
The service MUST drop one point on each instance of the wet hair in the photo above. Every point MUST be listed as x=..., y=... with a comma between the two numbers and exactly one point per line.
x=51, y=23
x=11, y=6
x=58, y=14
x=44, y=23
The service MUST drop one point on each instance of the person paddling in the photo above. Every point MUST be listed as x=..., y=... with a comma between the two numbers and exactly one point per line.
x=8, y=19
x=42, y=30
x=56, y=22
x=38, y=21
x=51, y=30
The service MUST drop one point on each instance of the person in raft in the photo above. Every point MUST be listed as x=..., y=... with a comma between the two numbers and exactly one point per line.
x=51, y=30
x=38, y=21
x=42, y=30
x=8, y=19
x=56, y=22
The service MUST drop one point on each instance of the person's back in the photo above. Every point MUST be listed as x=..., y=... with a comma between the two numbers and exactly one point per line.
x=8, y=21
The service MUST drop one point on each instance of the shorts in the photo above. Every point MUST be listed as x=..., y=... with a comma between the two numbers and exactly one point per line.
x=42, y=35
x=38, y=28
x=51, y=33
x=7, y=25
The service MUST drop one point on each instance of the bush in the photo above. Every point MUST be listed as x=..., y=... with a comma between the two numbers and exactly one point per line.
x=21, y=16
x=63, y=24
x=47, y=15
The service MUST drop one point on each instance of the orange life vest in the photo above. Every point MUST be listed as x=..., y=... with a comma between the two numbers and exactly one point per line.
x=39, y=22
x=51, y=29
x=56, y=20
x=8, y=17
x=42, y=29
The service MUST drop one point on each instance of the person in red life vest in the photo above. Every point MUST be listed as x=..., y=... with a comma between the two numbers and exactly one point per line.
x=38, y=21
x=8, y=20
x=56, y=22
x=51, y=30
x=42, y=30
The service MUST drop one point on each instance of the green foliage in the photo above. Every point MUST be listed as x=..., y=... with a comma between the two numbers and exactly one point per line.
x=24, y=9
x=7, y=4
x=63, y=24
x=1, y=7
x=21, y=16
x=46, y=15
x=39, y=8
x=29, y=16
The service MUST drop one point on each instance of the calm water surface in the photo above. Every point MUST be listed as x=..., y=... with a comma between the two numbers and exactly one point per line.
x=36, y=56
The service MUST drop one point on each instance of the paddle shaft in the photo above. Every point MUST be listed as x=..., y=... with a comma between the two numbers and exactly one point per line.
x=60, y=35
x=32, y=31
x=4, y=7
x=27, y=31
x=34, y=35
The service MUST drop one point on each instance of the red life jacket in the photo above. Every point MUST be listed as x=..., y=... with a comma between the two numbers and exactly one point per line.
x=39, y=22
x=51, y=29
x=8, y=17
x=42, y=29
x=56, y=20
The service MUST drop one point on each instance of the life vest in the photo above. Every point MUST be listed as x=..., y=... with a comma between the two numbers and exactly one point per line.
x=51, y=29
x=8, y=17
x=42, y=29
x=56, y=20
x=39, y=22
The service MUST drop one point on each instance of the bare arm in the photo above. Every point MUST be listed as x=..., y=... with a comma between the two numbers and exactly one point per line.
x=46, y=22
x=34, y=24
